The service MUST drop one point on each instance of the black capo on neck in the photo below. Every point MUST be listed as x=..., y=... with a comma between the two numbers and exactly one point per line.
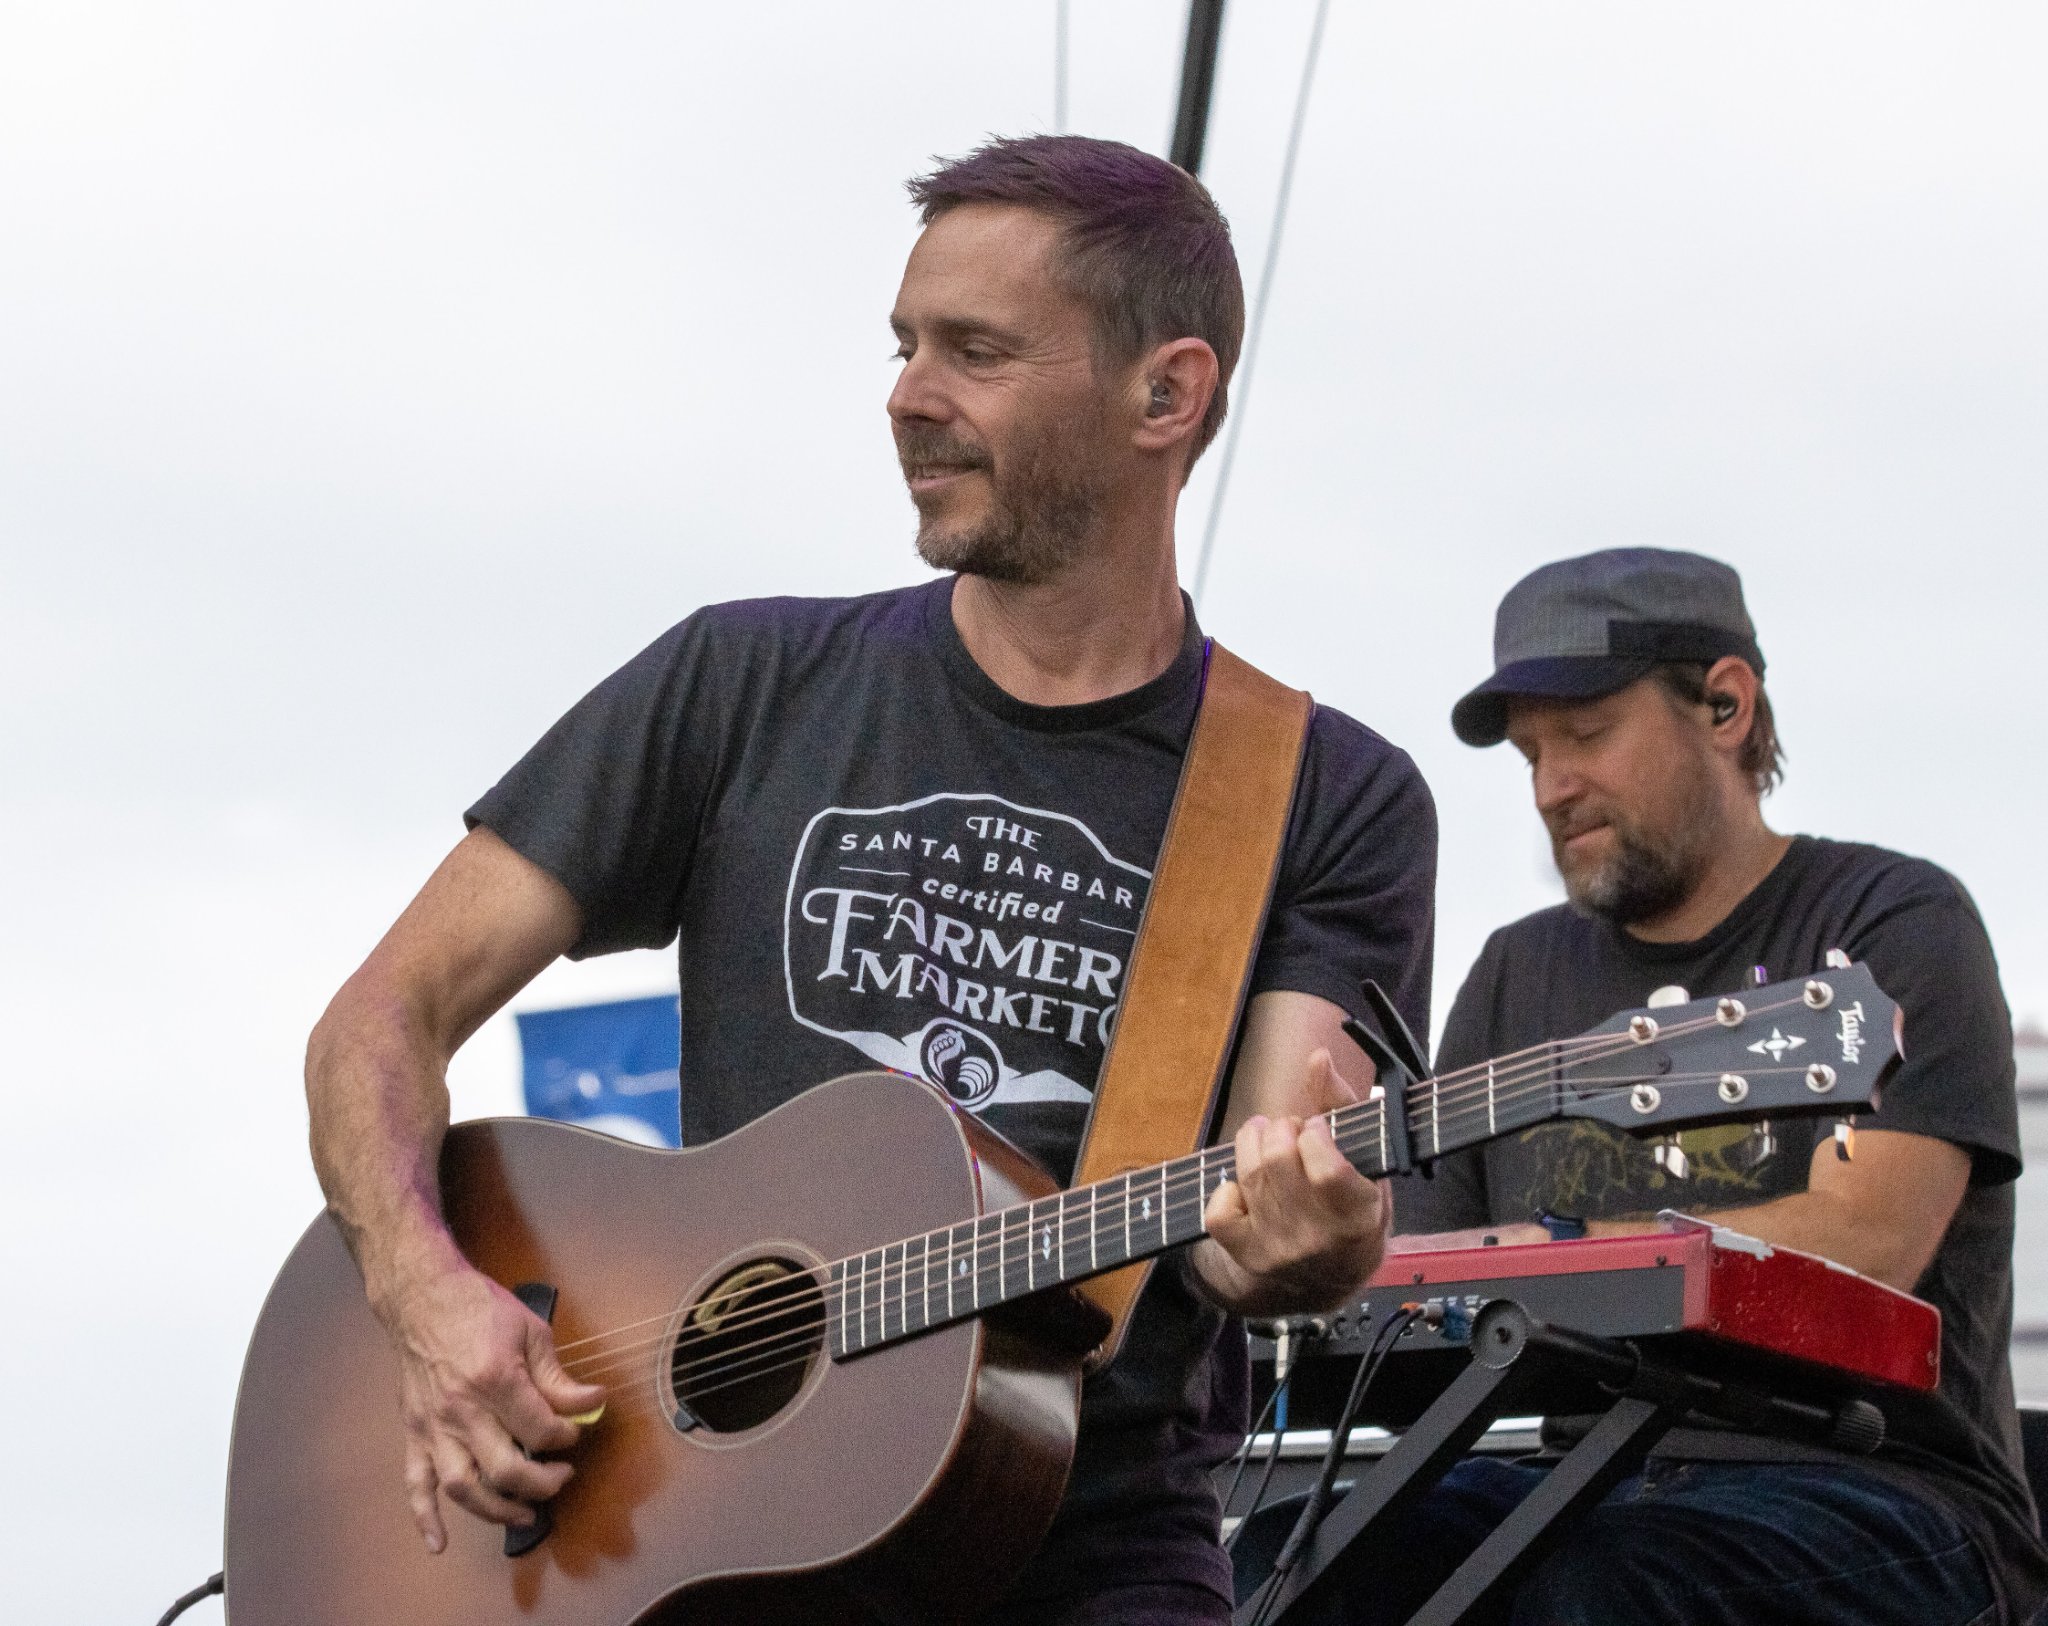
x=1398, y=1060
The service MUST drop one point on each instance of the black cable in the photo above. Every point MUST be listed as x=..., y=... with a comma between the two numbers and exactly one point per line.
x=1244, y=1452
x=206, y=1589
x=1318, y=1501
x=1265, y=1478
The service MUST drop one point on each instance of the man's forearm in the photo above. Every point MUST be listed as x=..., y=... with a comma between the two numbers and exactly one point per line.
x=482, y=927
x=377, y=1093
x=1811, y=1222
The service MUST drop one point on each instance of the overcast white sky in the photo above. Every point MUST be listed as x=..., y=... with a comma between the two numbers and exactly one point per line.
x=374, y=378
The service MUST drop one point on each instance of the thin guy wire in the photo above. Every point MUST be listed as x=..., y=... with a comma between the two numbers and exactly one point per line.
x=1258, y=322
x=1059, y=67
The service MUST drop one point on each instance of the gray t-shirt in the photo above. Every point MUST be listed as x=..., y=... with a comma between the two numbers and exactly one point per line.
x=869, y=854
x=1558, y=972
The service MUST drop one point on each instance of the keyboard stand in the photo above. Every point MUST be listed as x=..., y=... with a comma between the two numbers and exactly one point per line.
x=1516, y=1360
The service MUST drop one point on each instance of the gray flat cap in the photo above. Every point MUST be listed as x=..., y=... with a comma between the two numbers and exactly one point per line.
x=1585, y=627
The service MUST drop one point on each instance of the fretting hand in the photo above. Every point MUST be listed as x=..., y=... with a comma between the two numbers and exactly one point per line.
x=1298, y=1228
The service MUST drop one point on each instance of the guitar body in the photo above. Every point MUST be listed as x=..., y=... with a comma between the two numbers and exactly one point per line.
x=908, y=1483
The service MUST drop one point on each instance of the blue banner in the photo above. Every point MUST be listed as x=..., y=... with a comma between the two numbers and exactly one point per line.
x=610, y=1067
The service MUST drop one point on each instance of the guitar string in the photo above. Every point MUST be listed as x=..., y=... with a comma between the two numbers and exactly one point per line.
x=1543, y=1058
x=1355, y=1122
x=1500, y=1089
x=764, y=1361
x=760, y=1364
x=1188, y=1191
x=1178, y=1203
x=782, y=1354
x=1353, y=1125
x=1549, y=1052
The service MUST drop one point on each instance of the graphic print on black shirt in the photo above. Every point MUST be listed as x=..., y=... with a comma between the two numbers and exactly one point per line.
x=975, y=943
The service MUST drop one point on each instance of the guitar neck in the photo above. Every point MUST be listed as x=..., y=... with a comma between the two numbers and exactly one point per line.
x=922, y=1282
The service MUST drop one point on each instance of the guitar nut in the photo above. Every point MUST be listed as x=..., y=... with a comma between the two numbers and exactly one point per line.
x=1818, y=994
x=1730, y=1012
x=1820, y=1078
x=1732, y=1088
x=1645, y=1098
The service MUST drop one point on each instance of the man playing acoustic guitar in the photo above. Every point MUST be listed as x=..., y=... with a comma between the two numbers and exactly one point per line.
x=916, y=829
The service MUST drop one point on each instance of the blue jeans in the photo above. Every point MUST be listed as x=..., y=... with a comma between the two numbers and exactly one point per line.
x=1693, y=1544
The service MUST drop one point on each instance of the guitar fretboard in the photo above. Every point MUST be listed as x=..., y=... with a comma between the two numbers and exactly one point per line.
x=928, y=1281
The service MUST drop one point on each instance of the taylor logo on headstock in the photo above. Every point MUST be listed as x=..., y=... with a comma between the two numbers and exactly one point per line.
x=1851, y=1035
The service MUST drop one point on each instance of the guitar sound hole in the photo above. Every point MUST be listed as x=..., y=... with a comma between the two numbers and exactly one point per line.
x=746, y=1347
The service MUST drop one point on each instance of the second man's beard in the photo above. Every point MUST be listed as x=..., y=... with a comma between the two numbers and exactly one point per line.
x=1045, y=503
x=1640, y=881
x=1649, y=873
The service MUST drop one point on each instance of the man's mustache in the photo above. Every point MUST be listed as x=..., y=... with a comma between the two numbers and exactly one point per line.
x=919, y=449
x=1564, y=826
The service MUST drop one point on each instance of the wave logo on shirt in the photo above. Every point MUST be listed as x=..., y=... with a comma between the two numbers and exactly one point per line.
x=975, y=943
x=963, y=1063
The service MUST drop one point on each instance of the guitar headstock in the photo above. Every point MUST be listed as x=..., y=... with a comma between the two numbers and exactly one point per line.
x=1817, y=1046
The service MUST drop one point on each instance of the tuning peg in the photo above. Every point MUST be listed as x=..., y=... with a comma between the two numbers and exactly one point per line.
x=1837, y=960
x=1845, y=1139
x=1670, y=994
x=1760, y=1148
x=1670, y=1157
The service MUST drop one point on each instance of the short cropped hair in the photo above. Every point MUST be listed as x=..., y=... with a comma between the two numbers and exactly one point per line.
x=1763, y=757
x=1144, y=246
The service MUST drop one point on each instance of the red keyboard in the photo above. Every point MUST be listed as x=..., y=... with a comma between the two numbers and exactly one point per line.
x=1695, y=1280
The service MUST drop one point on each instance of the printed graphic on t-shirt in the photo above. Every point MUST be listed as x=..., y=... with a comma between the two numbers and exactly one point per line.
x=1588, y=1168
x=975, y=943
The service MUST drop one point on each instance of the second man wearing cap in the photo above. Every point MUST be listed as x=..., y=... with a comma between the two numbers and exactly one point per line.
x=1632, y=683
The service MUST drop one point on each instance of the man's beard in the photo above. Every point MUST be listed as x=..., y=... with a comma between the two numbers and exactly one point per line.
x=1650, y=872
x=1045, y=501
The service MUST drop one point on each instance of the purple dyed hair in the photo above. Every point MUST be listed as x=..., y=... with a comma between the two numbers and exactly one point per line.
x=1144, y=246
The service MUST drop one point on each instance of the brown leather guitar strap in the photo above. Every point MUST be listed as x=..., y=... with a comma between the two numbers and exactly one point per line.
x=1184, y=989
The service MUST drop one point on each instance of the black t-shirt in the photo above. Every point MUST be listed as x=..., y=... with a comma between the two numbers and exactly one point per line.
x=869, y=854
x=1558, y=972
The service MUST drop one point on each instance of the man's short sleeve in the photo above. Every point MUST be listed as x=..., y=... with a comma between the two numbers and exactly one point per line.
x=1929, y=952
x=610, y=800
x=1357, y=891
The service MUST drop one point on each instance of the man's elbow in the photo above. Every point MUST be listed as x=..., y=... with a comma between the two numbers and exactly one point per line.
x=1884, y=1247
x=1901, y=1261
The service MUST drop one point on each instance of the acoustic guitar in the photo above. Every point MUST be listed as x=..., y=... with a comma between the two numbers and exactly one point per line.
x=842, y=1353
